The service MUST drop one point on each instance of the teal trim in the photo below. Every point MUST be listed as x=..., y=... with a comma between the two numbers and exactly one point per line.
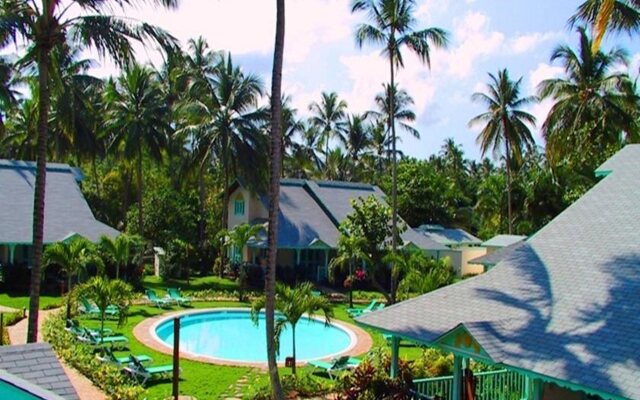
x=395, y=349
x=238, y=207
x=456, y=387
x=602, y=173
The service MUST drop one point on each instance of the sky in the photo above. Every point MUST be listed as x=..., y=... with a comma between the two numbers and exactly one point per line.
x=321, y=54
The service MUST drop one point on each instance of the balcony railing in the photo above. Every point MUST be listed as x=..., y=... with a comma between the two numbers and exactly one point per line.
x=492, y=385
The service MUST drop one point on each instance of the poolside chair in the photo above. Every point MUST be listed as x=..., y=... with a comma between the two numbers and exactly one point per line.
x=354, y=312
x=87, y=308
x=157, y=301
x=96, y=340
x=75, y=328
x=107, y=356
x=175, y=295
x=142, y=374
x=339, y=364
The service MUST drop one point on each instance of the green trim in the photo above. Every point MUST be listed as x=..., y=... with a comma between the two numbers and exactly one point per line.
x=601, y=173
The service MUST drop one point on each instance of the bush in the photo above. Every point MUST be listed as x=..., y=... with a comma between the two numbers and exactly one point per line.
x=81, y=357
x=304, y=385
x=9, y=319
x=371, y=380
x=432, y=363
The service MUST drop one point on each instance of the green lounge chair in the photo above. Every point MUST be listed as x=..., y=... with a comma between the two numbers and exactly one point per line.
x=354, y=312
x=87, y=308
x=338, y=364
x=157, y=301
x=75, y=328
x=107, y=356
x=380, y=306
x=98, y=341
x=142, y=373
x=175, y=294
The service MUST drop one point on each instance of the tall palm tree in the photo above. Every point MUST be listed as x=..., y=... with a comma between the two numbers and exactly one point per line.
x=292, y=304
x=329, y=115
x=275, y=157
x=594, y=104
x=350, y=250
x=602, y=15
x=120, y=249
x=398, y=100
x=392, y=25
x=137, y=120
x=506, y=125
x=44, y=27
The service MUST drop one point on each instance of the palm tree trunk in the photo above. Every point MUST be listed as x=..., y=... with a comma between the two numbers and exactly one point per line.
x=351, y=285
x=140, y=219
x=225, y=198
x=95, y=176
x=201, y=197
x=394, y=176
x=274, y=201
x=293, y=335
x=39, y=195
x=508, y=161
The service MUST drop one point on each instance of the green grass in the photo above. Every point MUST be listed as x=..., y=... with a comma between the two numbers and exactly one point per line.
x=208, y=381
x=200, y=283
x=21, y=300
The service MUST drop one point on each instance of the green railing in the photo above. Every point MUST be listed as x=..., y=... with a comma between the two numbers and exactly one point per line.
x=492, y=385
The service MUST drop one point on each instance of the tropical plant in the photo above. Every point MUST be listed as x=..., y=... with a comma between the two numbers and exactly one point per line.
x=119, y=249
x=602, y=15
x=9, y=78
x=105, y=292
x=595, y=107
x=275, y=158
x=44, y=28
x=351, y=248
x=329, y=116
x=293, y=303
x=401, y=102
x=392, y=26
x=417, y=274
x=506, y=125
x=72, y=257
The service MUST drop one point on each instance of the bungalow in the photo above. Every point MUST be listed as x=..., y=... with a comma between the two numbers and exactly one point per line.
x=310, y=212
x=560, y=310
x=67, y=213
x=463, y=247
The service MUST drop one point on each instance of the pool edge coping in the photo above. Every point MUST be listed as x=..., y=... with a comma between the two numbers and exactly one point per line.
x=144, y=332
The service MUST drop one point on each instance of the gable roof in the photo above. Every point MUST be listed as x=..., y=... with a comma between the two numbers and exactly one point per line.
x=564, y=304
x=448, y=236
x=37, y=364
x=66, y=210
x=503, y=240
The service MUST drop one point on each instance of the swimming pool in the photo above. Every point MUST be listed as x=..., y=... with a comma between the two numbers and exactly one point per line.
x=230, y=335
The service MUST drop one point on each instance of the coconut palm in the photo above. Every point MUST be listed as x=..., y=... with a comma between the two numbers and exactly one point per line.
x=119, y=249
x=293, y=303
x=136, y=117
x=329, y=115
x=275, y=158
x=419, y=274
x=350, y=250
x=105, y=293
x=392, y=25
x=506, y=125
x=337, y=166
x=603, y=15
x=402, y=103
x=9, y=78
x=44, y=27
x=595, y=104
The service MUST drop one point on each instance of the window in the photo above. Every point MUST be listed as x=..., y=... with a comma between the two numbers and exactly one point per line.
x=238, y=207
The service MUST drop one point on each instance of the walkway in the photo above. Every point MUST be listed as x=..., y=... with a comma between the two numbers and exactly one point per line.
x=85, y=389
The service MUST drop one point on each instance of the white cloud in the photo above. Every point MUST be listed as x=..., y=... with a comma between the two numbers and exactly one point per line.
x=542, y=72
x=526, y=42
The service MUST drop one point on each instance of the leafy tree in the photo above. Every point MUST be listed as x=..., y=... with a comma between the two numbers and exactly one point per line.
x=350, y=250
x=104, y=293
x=45, y=28
x=505, y=124
x=292, y=303
x=392, y=26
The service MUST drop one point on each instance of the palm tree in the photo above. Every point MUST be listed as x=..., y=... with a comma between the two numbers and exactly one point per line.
x=9, y=78
x=419, y=274
x=392, y=26
x=357, y=137
x=275, y=158
x=120, y=249
x=350, y=250
x=137, y=119
x=401, y=102
x=292, y=304
x=594, y=104
x=617, y=15
x=330, y=117
x=44, y=27
x=337, y=166
x=104, y=293
x=506, y=124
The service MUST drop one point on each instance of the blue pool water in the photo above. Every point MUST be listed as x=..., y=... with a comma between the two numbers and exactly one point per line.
x=231, y=335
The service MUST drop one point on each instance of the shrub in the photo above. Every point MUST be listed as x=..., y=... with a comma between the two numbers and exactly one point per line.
x=81, y=357
x=432, y=363
x=305, y=385
x=371, y=380
x=9, y=319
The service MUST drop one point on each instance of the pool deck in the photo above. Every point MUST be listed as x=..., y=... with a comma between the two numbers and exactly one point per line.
x=144, y=333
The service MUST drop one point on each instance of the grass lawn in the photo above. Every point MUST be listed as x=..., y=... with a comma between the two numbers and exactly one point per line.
x=207, y=381
x=21, y=300
x=200, y=283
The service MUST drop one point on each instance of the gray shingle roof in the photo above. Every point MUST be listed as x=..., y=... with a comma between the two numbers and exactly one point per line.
x=449, y=236
x=496, y=256
x=66, y=210
x=564, y=304
x=37, y=364
x=503, y=240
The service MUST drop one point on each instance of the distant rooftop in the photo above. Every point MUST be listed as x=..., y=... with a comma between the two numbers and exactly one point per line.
x=493, y=258
x=448, y=236
x=503, y=240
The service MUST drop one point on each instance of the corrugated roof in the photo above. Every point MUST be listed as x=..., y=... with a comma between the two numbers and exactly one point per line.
x=448, y=236
x=66, y=210
x=37, y=364
x=564, y=304
x=503, y=240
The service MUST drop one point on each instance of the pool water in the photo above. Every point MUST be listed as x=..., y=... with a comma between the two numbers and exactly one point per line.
x=231, y=335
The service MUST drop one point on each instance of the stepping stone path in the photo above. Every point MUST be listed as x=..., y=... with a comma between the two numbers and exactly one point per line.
x=237, y=390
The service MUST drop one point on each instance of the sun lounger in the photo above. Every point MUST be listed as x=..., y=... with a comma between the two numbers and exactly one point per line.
x=108, y=357
x=77, y=330
x=373, y=306
x=97, y=340
x=87, y=308
x=141, y=373
x=176, y=296
x=338, y=364
x=157, y=301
